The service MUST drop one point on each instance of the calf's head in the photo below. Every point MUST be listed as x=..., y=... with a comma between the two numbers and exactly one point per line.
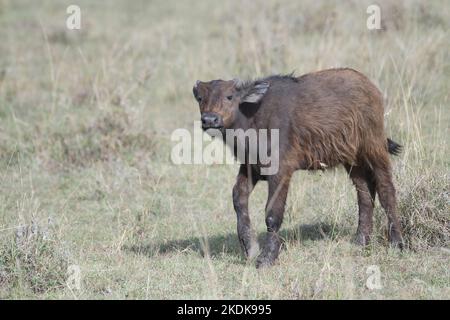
x=219, y=100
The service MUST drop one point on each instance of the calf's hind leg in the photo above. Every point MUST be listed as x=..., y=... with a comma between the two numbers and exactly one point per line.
x=362, y=178
x=386, y=193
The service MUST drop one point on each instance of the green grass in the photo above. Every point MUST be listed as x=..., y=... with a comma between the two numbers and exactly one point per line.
x=85, y=171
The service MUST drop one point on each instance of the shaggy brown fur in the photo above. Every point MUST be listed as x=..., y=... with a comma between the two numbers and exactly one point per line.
x=325, y=118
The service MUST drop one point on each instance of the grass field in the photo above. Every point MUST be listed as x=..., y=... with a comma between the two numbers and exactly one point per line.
x=86, y=181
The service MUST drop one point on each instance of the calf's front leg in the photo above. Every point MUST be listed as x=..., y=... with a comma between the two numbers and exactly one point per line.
x=278, y=190
x=245, y=182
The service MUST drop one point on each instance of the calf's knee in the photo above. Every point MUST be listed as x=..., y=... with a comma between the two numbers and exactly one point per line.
x=273, y=223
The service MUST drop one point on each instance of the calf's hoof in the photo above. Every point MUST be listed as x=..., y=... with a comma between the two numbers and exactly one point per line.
x=397, y=243
x=249, y=246
x=362, y=239
x=270, y=251
x=396, y=239
x=266, y=259
x=252, y=251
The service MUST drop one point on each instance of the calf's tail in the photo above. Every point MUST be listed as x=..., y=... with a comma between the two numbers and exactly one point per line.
x=393, y=147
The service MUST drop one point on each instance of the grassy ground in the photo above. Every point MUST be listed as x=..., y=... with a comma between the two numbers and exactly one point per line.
x=85, y=173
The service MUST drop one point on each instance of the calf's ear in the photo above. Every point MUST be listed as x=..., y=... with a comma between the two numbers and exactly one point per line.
x=255, y=92
x=195, y=89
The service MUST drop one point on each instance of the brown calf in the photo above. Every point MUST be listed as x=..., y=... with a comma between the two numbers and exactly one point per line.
x=324, y=119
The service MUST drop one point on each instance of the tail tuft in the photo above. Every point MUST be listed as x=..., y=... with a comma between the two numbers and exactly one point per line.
x=393, y=147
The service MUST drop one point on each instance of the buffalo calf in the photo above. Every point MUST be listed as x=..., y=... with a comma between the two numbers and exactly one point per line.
x=325, y=119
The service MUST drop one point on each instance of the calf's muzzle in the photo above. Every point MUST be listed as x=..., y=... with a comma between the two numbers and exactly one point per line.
x=211, y=120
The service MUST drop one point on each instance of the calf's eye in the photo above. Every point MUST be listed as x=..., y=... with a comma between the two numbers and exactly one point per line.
x=230, y=97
